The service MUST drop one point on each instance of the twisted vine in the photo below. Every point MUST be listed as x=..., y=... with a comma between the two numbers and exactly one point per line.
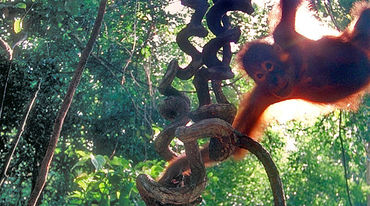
x=210, y=120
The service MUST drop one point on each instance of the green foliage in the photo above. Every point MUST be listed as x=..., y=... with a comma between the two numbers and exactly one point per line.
x=312, y=170
x=109, y=181
x=17, y=25
x=315, y=173
x=114, y=110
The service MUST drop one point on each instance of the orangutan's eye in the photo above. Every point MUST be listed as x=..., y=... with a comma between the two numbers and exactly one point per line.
x=259, y=76
x=268, y=66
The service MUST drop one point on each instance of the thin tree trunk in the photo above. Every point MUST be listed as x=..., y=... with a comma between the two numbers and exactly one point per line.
x=4, y=175
x=58, y=124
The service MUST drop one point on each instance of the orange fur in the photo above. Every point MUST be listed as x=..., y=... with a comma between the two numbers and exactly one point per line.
x=333, y=70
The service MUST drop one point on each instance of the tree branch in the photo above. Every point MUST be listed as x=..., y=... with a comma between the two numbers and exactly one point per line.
x=344, y=162
x=44, y=167
x=6, y=47
x=4, y=176
x=270, y=167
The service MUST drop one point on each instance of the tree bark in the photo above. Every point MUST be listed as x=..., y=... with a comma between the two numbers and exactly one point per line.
x=58, y=124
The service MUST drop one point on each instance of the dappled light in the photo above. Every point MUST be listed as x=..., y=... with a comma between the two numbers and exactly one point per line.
x=311, y=27
x=297, y=110
x=140, y=110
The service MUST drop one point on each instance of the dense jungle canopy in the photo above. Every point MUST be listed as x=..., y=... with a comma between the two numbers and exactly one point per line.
x=108, y=135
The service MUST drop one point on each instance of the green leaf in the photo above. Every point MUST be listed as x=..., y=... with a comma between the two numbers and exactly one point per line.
x=146, y=52
x=21, y=5
x=156, y=129
x=155, y=170
x=57, y=150
x=81, y=153
x=81, y=162
x=76, y=194
x=121, y=162
x=98, y=161
x=82, y=181
x=116, y=161
x=103, y=187
x=17, y=25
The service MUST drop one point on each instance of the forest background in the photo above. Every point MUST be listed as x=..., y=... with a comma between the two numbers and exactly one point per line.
x=107, y=138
